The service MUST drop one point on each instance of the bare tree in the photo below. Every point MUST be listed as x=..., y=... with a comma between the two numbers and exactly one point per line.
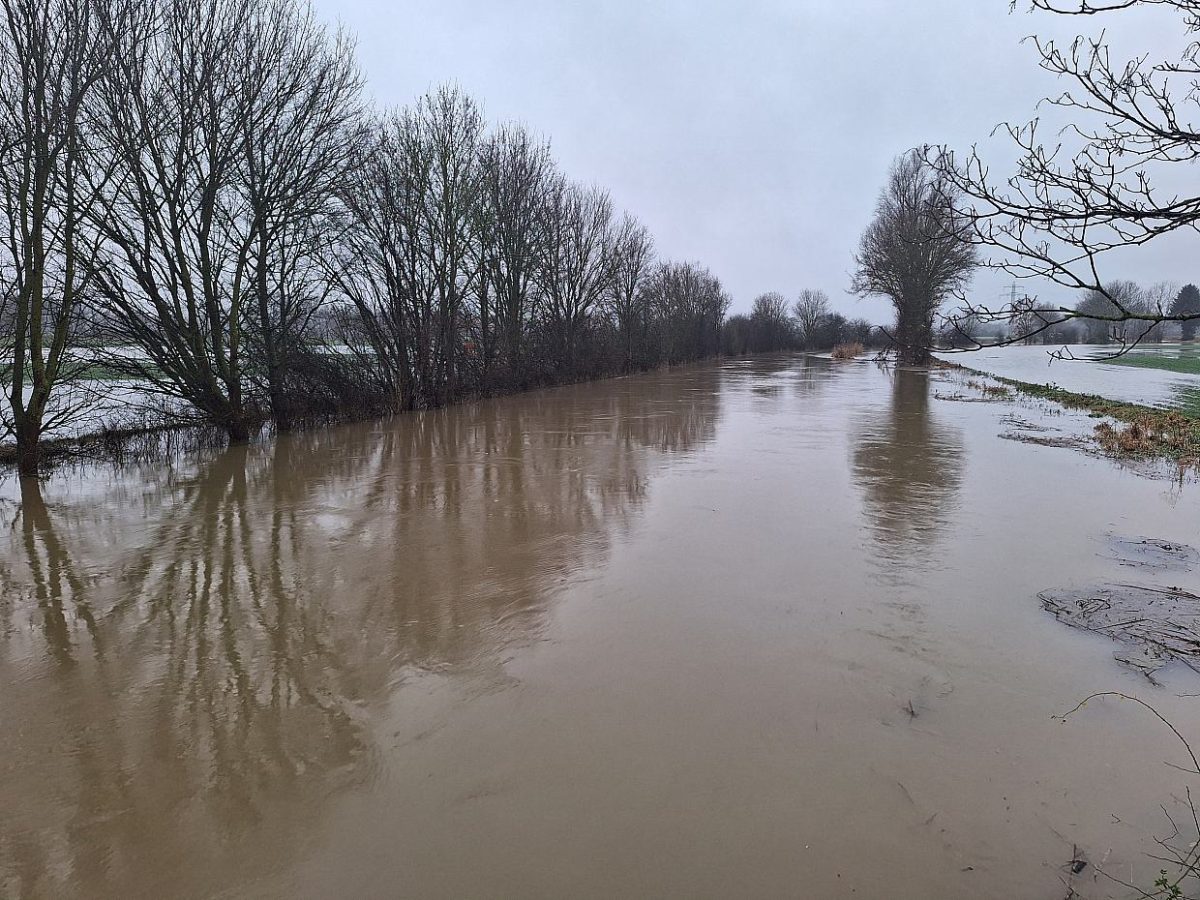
x=860, y=331
x=1031, y=325
x=176, y=276
x=1065, y=207
x=576, y=269
x=771, y=326
x=408, y=260
x=198, y=175
x=372, y=254
x=1099, y=312
x=1158, y=299
x=833, y=329
x=811, y=307
x=297, y=142
x=516, y=174
x=915, y=252
x=690, y=305
x=52, y=53
x=735, y=336
x=226, y=122
x=633, y=258
x=450, y=126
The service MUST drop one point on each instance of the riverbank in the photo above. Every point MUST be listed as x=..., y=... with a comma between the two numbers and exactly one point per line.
x=1136, y=431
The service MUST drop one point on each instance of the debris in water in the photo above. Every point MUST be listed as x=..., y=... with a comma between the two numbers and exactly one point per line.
x=1159, y=624
x=1077, y=863
x=1153, y=553
x=1068, y=441
x=1026, y=425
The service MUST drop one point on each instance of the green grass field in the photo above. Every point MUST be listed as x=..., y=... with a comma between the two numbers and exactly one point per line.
x=1185, y=360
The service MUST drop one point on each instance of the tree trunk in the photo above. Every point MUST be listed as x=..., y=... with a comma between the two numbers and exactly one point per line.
x=28, y=450
x=238, y=430
x=914, y=336
x=281, y=407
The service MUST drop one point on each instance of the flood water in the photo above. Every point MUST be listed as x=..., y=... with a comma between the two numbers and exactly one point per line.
x=764, y=628
x=1086, y=372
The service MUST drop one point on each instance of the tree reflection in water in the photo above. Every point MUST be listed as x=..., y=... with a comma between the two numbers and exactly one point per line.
x=909, y=467
x=192, y=661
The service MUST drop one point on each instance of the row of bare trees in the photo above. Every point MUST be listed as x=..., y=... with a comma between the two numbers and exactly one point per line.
x=195, y=194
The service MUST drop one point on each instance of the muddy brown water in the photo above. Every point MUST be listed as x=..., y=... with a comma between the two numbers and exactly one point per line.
x=764, y=628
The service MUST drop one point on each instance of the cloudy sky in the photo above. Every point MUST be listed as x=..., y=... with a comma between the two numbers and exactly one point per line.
x=751, y=135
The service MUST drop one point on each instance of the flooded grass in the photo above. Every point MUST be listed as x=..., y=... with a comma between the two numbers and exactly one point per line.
x=1087, y=371
x=1135, y=432
x=175, y=430
x=118, y=446
x=848, y=351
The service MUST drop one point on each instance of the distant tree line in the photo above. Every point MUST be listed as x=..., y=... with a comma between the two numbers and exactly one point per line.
x=203, y=181
x=807, y=324
x=1159, y=314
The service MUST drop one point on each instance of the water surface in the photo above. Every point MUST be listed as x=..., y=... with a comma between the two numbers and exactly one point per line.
x=759, y=628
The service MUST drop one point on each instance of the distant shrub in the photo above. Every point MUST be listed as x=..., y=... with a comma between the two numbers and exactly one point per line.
x=848, y=351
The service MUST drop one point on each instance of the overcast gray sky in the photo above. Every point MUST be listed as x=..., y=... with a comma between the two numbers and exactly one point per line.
x=750, y=135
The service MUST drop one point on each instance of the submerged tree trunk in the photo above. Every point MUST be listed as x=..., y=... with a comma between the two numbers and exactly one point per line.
x=281, y=407
x=28, y=450
x=914, y=330
x=238, y=430
x=915, y=355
